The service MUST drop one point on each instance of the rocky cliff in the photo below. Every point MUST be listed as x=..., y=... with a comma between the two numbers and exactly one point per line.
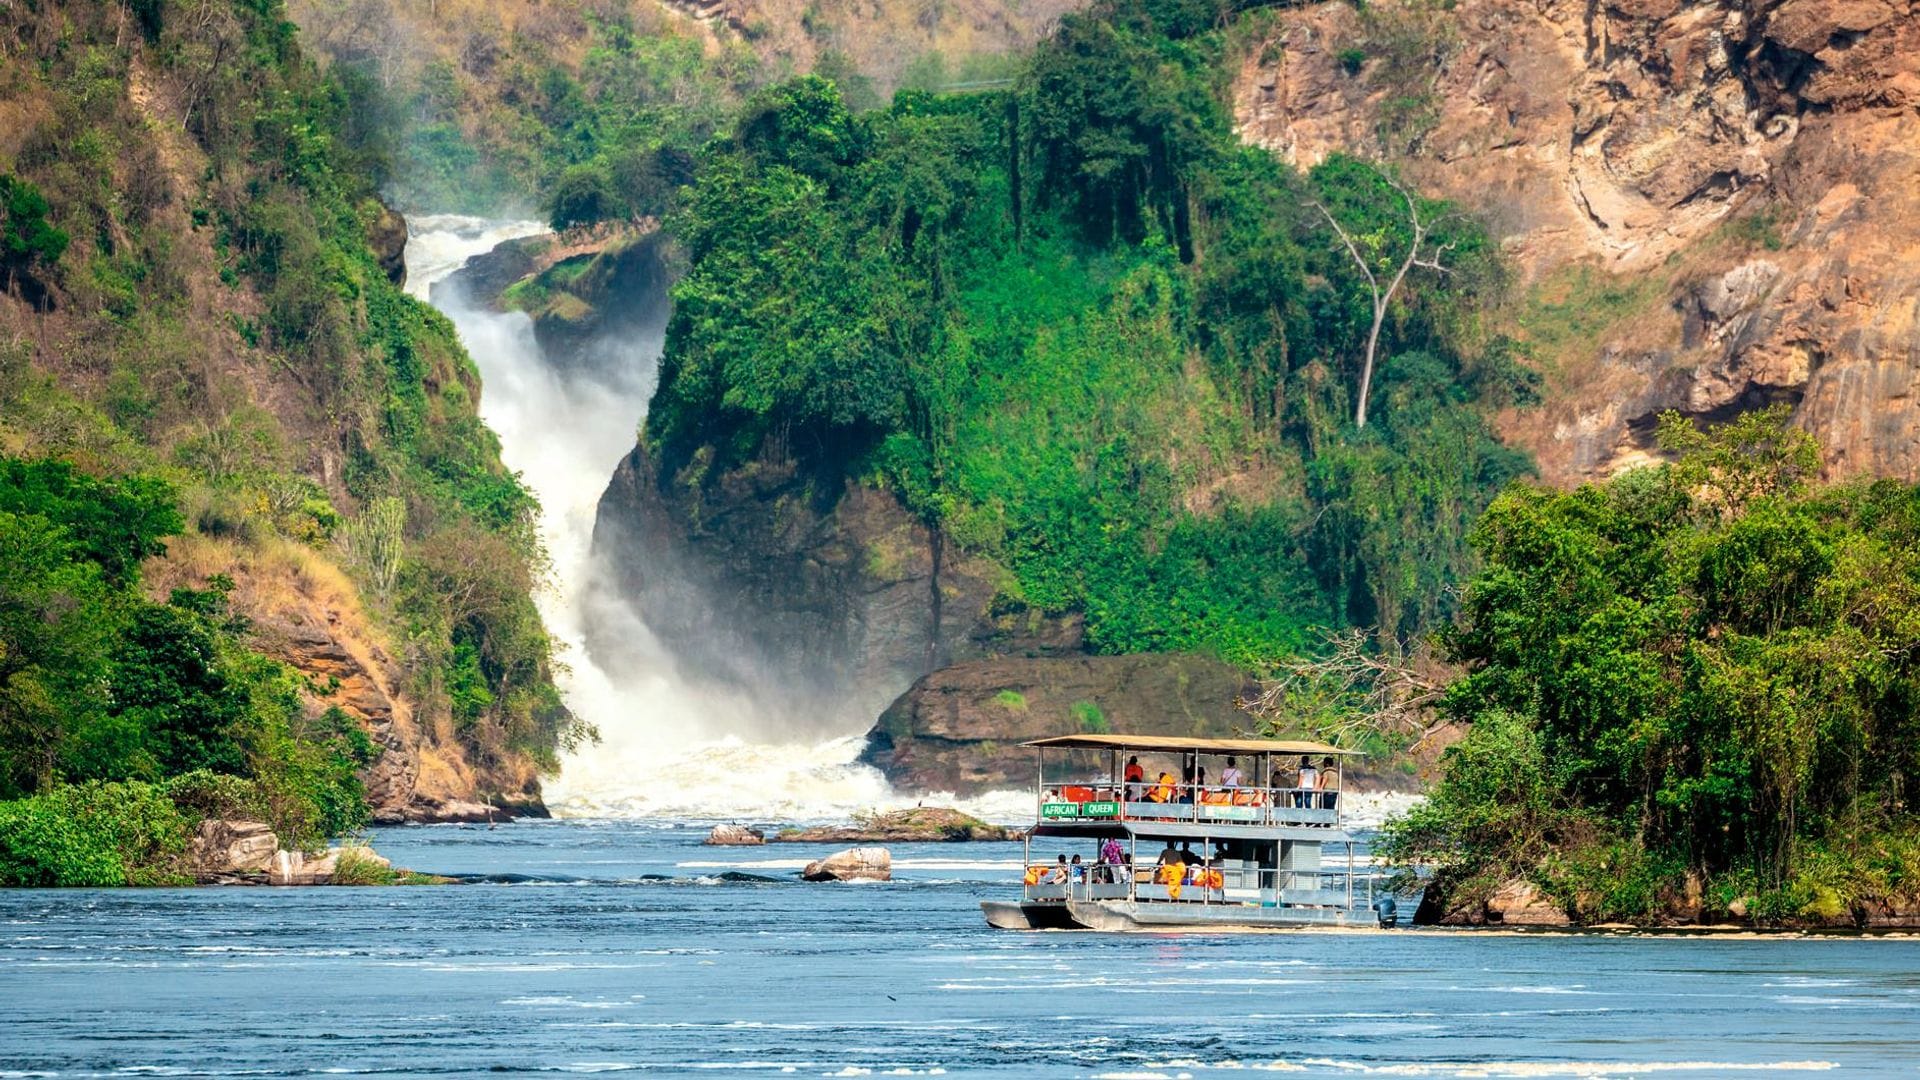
x=825, y=599
x=1714, y=204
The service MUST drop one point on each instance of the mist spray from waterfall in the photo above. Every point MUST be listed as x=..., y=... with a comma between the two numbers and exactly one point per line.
x=669, y=747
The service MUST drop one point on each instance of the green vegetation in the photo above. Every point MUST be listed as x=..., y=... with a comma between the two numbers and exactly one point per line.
x=608, y=134
x=1689, y=685
x=201, y=342
x=123, y=721
x=329, y=415
x=27, y=242
x=1088, y=717
x=1085, y=331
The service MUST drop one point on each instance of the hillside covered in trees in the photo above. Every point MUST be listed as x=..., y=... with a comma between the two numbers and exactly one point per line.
x=1084, y=333
x=257, y=537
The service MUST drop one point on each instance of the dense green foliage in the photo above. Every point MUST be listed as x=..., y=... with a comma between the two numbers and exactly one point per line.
x=1087, y=332
x=1706, y=670
x=104, y=689
x=224, y=322
x=27, y=240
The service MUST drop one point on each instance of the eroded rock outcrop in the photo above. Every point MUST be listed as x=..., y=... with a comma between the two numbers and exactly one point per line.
x=959, y=729
x=1757, y=161
x=307, y=615
x=853, y=864
x=922, y=824
x=824, y=598
x=734, y=836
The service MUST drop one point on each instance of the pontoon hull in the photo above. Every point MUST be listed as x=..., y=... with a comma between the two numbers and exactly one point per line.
x=1121, y=916
x=1013, y=915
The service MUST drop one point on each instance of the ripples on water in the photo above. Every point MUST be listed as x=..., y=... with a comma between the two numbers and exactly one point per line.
x=628, y=947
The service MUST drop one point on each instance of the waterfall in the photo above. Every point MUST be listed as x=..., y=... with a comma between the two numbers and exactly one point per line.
x=668, y=748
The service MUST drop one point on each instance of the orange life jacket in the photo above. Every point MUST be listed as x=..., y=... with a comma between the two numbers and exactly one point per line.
x=1170, y=875
x=1033, y=874
x=1162, y=791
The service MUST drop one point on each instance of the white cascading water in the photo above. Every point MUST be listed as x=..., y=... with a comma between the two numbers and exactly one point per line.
x=667, y=749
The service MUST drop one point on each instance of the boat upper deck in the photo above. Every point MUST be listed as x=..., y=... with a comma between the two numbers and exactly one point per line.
x=1286, y=785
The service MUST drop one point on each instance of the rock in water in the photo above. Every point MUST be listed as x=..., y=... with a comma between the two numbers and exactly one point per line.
x=853, y=864
x=735, y=836
x=224, y=846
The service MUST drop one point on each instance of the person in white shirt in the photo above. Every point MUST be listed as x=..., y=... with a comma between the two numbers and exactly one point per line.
x=1231, y=775
x=1309, y=780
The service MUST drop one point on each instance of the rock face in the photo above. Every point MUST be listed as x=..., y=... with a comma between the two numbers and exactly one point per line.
x=1754, y=165
x=826, y=600
x=387, y=236
x=1514, y=904
x=853, y=864
x=735, y=836
x=959, y=729
x=222, y=848
x=309, y=618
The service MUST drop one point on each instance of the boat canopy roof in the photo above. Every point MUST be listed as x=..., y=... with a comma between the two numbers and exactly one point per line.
x=1181, y=744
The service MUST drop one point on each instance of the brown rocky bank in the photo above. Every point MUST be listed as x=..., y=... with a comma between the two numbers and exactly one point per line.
x=1714, y=204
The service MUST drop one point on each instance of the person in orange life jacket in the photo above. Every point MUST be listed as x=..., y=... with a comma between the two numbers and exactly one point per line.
x=1135, y=778
x=1162, y=790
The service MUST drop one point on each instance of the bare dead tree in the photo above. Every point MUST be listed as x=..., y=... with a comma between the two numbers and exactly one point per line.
x=1353, y=690
x=1383, y=298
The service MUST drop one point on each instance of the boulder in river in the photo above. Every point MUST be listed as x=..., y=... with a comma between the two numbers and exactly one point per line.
x=735, y=836
x=853, y=864
x=223, y=847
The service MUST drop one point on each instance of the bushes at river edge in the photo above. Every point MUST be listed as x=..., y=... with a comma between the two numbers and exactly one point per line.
x=1694, y=692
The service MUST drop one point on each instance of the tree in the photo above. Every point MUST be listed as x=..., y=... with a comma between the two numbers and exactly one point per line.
x=27, y=241
x=1350, y=690
x=56, y=626
x=1381, y=257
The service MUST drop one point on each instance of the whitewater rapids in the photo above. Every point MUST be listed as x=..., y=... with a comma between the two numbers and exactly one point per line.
x=668, y=749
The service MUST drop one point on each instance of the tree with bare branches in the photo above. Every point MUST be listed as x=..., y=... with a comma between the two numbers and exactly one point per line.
x=1352, y=690
x=1378, y=259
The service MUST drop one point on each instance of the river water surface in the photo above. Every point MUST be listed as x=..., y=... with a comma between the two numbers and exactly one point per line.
x=628, y=947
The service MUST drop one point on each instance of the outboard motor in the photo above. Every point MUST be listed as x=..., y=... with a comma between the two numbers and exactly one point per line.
x=1388, y=910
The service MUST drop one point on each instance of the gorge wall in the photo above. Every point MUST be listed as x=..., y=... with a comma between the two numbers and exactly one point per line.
x=1712, y=205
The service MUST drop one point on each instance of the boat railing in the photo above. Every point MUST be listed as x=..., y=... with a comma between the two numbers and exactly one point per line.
x=1327, y=886
x=1203, y=804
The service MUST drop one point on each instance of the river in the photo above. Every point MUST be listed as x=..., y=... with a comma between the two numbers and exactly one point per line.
x=626, y=946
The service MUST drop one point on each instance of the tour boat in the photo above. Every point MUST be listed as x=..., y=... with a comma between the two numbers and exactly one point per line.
x=1268, y=853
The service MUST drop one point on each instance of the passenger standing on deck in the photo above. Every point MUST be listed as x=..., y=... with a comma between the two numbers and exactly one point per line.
x=1329, y=785
x=1136, y=778
x=1231, y=776
x=1058, y=875
x=1171, y=857
x=1308, y=781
